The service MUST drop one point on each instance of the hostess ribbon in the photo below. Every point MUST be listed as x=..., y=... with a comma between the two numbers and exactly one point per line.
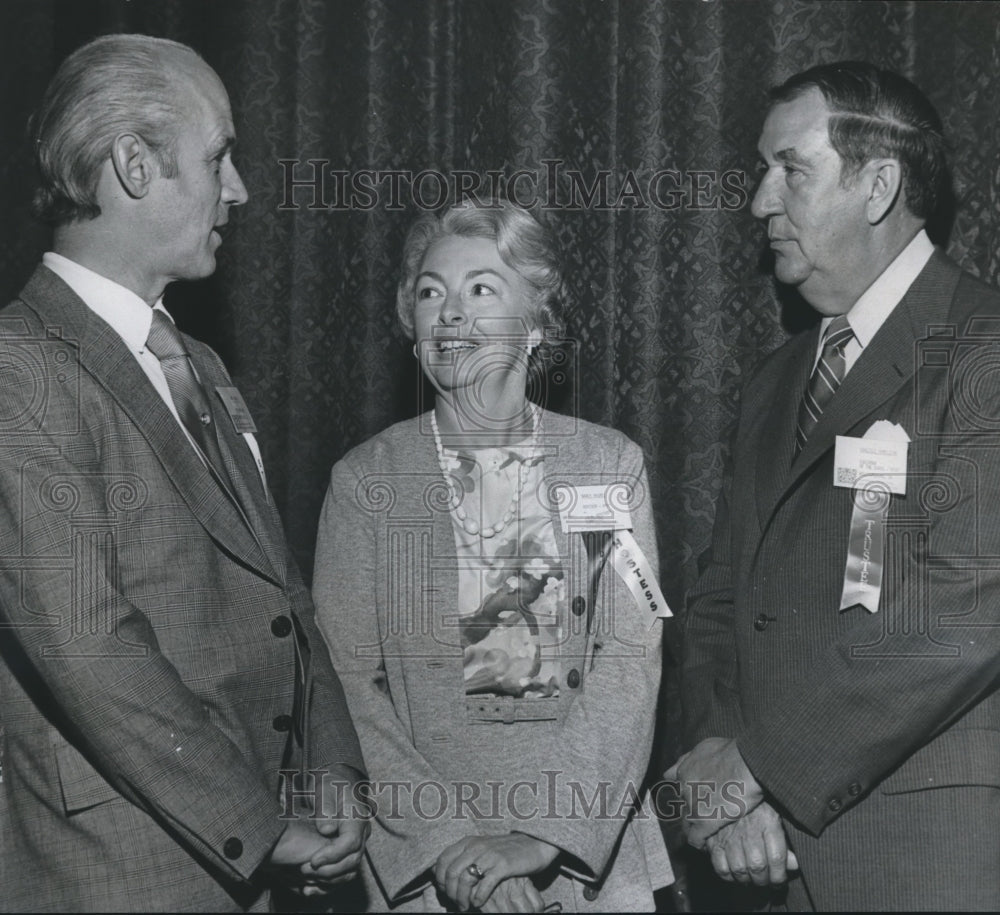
x=634, y=569
x=866, y=546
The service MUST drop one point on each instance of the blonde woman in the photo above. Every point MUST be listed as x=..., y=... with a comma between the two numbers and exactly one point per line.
x=501, y=681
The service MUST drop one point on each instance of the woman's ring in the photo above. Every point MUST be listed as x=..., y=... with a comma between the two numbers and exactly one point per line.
x=474, y=871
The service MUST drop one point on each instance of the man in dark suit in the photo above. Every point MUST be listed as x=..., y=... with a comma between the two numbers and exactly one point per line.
x=843, y=643
x=160, y=663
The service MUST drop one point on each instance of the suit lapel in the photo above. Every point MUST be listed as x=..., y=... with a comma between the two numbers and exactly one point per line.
x=779, y=417
x=885, y=366
x=566, y=463
x=105, y=357
x=243, y=473
x=561, y=466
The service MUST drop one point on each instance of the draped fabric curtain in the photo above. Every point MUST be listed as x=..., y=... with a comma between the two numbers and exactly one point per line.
x=630, y=126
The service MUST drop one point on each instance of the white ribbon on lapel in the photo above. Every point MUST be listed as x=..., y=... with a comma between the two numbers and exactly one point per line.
x=875, y=468
x=634, y=569
x=866, y=548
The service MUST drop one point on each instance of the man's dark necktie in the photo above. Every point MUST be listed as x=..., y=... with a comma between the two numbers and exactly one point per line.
x=826, y=377
x=190, y=399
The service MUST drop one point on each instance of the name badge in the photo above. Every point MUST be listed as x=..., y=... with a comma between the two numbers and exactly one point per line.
x=859, y=463
x=236, y=407
x=594, y=508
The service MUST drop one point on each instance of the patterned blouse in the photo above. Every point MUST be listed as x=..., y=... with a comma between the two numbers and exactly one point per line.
x=512, y=592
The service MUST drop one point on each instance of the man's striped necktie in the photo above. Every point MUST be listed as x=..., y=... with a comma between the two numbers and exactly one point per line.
x=826, y=377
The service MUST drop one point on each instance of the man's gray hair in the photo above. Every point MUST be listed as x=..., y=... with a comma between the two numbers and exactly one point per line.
x=113, y=85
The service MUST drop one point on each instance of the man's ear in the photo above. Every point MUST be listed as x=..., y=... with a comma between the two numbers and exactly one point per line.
x=134, y=164
x=885, y=179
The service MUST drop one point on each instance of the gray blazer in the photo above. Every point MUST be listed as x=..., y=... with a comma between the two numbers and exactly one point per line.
x=148, y=641
x=386, y=591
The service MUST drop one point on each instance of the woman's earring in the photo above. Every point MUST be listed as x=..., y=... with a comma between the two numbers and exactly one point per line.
x=415, y=355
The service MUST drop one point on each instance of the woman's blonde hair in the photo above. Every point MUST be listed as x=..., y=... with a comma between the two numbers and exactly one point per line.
x=524, y=244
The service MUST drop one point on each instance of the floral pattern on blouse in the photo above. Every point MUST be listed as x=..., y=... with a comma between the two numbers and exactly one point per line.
x=512, y=592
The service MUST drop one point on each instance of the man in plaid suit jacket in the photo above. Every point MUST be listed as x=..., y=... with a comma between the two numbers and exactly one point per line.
x=160, y=664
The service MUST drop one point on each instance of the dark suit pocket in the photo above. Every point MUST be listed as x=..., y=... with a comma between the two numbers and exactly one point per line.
x=82, y=785
x=957, y=758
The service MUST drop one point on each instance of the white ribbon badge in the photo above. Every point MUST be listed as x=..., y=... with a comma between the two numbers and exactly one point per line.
x=634, y=569
x=875, y=468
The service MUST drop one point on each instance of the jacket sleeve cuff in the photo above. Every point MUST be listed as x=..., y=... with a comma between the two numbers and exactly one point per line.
x=788, y=775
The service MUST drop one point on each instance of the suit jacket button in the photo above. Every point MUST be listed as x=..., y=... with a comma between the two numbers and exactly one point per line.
x=233, y=848
x=760, y=624
x=573, y=678
x=281, y=626
x=590, y=893
x=835, y=804
x=282, y=723
x=854, y=789
x=579, y=605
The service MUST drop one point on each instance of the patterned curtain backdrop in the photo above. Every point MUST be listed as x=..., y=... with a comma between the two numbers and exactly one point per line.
x=631, y=126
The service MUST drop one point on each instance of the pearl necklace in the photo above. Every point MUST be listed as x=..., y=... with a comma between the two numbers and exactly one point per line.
x=455, y=501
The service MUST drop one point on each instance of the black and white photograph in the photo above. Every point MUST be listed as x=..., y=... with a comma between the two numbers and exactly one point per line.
x=499, y=456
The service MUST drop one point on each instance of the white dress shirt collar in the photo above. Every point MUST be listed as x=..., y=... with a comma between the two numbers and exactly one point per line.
x=870, y=311
x=128, y=315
